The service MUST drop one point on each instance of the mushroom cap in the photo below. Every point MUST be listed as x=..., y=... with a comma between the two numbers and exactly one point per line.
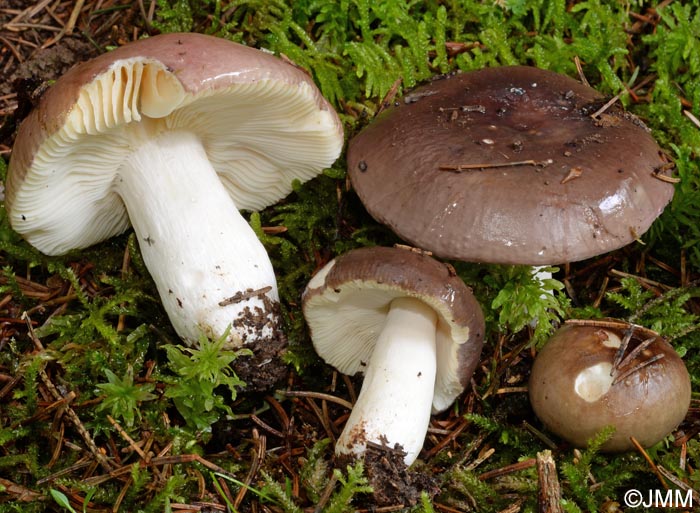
x=571, y=389
x=346, y=302
x=261, y=120
x=512, y=214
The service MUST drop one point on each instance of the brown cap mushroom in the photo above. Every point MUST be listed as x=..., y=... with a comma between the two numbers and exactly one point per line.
x=507, y=165
x=175, y=134
x=410, y=325
x=582, y=381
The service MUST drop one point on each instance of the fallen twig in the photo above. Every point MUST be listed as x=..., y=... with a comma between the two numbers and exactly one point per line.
x=485, y=165
x=549, y=496
x=649, y=461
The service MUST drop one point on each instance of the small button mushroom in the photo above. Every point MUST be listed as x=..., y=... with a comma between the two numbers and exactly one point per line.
x=410, y=325
x=588, y=377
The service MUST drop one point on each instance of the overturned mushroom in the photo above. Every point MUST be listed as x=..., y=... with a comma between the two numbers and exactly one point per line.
x=175, y=134
x=410, y=325
x=591, y=376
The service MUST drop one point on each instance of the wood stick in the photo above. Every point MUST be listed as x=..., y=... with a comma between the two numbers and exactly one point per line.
x=549, y=495
x=649, y=461
x=243, y=296
x=508, y=469
x=486, y=165
x=317, y=395
x=74, y=17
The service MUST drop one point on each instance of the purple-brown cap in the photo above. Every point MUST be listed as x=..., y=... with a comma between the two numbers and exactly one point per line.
x=175, y=134
x=261, y=120
x=346, y=302
x=579, y=385
x=508, y=165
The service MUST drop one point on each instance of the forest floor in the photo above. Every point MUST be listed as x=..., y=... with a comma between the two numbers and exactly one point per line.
x=62, y=449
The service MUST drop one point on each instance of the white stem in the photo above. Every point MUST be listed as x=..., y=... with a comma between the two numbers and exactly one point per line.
x=198, y=248
x=395, y=401
x=539, y=273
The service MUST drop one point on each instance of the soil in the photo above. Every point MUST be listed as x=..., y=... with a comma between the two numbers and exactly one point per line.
x=36, y=49
x=31, y=78
x=392, y=481
x=49, y=64
x=264, y=368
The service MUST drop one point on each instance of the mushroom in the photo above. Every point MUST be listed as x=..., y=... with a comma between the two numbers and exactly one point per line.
x=410, y=325
x=175, y=134
x=588, y=377
x=510, y=165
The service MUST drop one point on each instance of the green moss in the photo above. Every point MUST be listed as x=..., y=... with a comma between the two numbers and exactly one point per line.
x=112, y=342
x=200, y=375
